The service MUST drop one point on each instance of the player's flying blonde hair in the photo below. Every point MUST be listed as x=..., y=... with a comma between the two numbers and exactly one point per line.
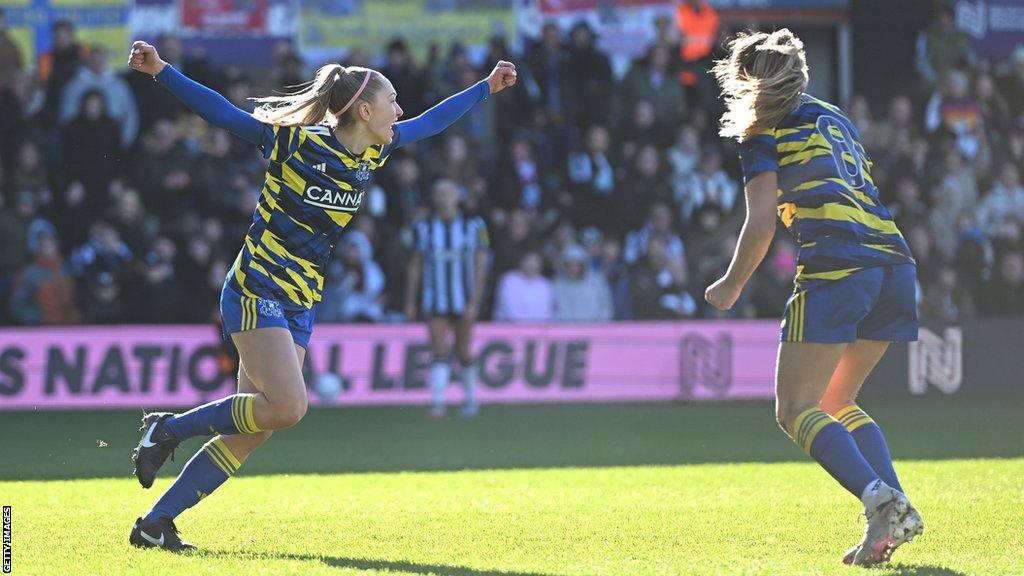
x=330, y=97
x=762, y=80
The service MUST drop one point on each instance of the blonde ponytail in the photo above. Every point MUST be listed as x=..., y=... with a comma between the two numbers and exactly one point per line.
x=762, y=80
x=320, y=100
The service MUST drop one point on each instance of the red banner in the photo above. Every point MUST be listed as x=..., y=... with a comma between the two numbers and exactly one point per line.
x=249, y=16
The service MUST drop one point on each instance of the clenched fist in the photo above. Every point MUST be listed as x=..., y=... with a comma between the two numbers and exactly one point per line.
x=503, y=76
x=144, y=58
x=722, y=294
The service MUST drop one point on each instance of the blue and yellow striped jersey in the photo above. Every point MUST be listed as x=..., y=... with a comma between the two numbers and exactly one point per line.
x=313, y=188
x=826, y=197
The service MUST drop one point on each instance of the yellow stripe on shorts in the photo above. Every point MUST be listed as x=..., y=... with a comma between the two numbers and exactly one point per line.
x=795, y=318
x=789, y=322
x=801, y=306
x=245, y=318
x=251, y=305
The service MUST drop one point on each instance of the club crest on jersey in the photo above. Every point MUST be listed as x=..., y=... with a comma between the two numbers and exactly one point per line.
x=270, y=308
x=363, y=172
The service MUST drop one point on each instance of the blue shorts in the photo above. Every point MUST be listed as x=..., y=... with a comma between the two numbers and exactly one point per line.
x=240, y=313
x=877, y=303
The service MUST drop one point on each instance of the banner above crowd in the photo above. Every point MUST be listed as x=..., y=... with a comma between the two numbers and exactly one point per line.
x=224, y=16
x=626, y=28
x=242, y=32
x=996, y=27
x=331, y=27
x=100, y=23
x=247, y=31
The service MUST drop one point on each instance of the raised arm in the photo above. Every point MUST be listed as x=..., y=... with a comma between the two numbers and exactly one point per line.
x=209, y=105
x=454, y=107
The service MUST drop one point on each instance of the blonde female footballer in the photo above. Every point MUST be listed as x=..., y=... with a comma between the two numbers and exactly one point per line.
x=323, y=143
x=855, y=282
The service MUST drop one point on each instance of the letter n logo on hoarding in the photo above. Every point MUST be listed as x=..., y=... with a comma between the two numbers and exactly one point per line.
x=705, y=362
x=936, y=360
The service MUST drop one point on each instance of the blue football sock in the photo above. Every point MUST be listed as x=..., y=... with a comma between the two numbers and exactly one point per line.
x=828, y=442
x=231, y=415
x=870, y=441
x=204, y=473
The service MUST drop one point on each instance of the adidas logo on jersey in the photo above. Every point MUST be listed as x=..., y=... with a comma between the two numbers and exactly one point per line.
x=322, y=167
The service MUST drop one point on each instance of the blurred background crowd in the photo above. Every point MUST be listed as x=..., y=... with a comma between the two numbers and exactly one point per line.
x=607, y=196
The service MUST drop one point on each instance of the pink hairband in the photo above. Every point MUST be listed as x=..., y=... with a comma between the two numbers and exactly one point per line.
x=366, y=81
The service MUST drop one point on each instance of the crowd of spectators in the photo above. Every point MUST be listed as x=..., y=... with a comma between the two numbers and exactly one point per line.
x=606, y=198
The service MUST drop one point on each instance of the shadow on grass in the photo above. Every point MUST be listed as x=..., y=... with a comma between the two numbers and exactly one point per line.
x=97, y=444
x=390, y=566
x=911, y=570
x=415, y=568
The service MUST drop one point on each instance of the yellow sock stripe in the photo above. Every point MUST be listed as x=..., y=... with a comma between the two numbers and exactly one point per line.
x=236, y=413
x=853, y=417
x=812, y=433
x=217, y=459
x=232, y=459
x=216, y=454
x=853, y=425
x=798, y=422
x=844, y=411
x=219, y=464
x=250, y=420
x=245, y=411
x=807, y=425
x=229, y=456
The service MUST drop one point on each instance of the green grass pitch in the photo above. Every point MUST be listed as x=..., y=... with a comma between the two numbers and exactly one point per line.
x=523, y=491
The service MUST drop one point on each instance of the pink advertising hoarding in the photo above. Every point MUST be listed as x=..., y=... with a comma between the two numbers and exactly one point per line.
x=180, y=366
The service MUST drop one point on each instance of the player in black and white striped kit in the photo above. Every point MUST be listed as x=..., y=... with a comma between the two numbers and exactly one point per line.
x=447, y=274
